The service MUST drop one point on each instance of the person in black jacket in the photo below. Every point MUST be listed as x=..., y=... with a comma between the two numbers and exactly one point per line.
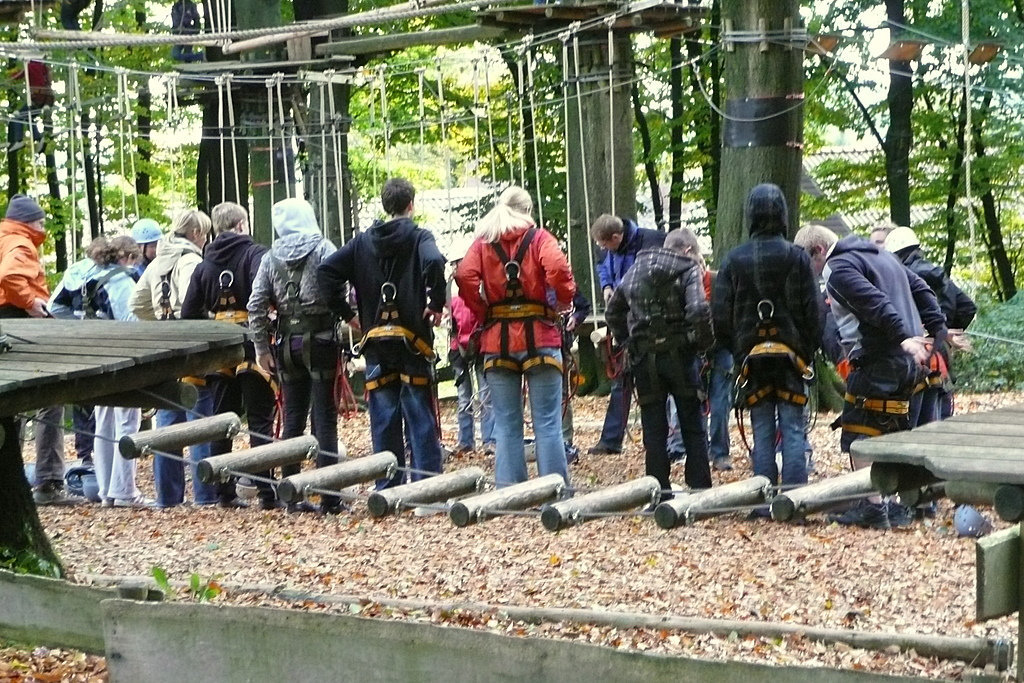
x=958, y=308
x=766, y=312
x=397, y=273
x=219, y=289
x=659, y=314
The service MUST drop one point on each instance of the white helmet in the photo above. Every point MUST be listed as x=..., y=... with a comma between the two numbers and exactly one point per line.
x=901, y=238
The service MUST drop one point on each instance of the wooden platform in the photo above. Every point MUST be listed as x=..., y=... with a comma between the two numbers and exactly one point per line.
x=662, y=17
x=65, y=361
x=981, y=447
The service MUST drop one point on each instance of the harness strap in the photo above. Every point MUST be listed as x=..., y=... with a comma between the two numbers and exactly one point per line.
x=237, y=317
x=878, y=405
x=521, y=367
x=862, y=429
x=382, y=381
x=392, y=331
x=390, y=378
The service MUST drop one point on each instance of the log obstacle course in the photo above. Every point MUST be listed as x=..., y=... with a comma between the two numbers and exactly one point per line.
x=426, y=491
x=625, y=496
x=823, y=495
x=520, y=496
x=259, y=459
x=176, y=437
x=688, y=508
x=342, y=475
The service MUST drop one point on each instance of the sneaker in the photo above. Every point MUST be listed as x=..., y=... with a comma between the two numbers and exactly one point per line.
x=107, y=503
x=489, y=448
x=601, y=449
x=137, y=502
x=303, y=506
x=864, y=514
x=721, y=464
x=460, y=450
x=763, y=512
x=572, y=454
x=425, y=511
x=899, y=515
x=53, y=493
x=232, y=503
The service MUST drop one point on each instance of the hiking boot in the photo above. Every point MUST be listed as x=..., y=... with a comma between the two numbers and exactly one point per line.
x=489, y=447
x=899, y=515
x=461, y=449
x=270, y=504
x=53, y=493
x=302, y=506
x=232, y=503
x=601, y=449
x=338, y=508
x=864, y=514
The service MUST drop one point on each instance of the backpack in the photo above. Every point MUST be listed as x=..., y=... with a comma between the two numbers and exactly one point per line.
x=91, y=301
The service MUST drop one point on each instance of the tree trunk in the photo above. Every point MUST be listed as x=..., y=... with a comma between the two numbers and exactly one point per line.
x=899, y=137
x=650, y=168
x=675, y=83
x=143, y=148
x=955, y=166
x=707, y=124
x=91, y=184
x=59, y=215
x=763, y=135
x=23, y=541
x=1002, y=271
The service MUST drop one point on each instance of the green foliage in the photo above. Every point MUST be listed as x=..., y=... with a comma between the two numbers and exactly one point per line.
x=27, y=562
x=995, y=365
x=198, y=590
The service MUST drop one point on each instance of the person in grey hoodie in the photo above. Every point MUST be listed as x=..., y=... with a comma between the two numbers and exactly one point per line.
x=304, y=353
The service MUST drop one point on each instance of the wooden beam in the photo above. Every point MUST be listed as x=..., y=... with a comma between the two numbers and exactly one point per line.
x=516, y=497
x=259, y=459
x=625, y=496
x=353, y=471
x=997, y=566
x=688, y=508
x=177, y=436
x=170, y=395
x=821, y=495
x=363, y=45
x=425, y=491
x=890, y=477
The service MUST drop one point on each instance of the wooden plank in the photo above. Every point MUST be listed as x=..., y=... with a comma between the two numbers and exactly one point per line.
x=183, y=345
x=57, y=372
x=358, y=45
x=209, y=331
x=951, y=440
x=96, y=350
x=1008, y=428
x=997, y=566
x=73, y=360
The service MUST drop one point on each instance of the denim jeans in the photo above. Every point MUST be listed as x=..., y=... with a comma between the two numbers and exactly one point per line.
x=930, y=405
x=674, y=441
x=945, y=404
x=391, y=405
x=169, y=474
x=720, y=399
x=84, y=422
x=469, y=409
x=545, y=386
x=615, y=417
x=769, y=417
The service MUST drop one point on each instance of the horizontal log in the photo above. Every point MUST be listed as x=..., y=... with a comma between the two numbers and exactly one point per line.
x=425, y=491
x=688, y=508
x=176, y=437
x=625, y=496
x=259, y=459
x=335, y=477
x=519, y=496
x=822, y=495
x=922, y=495
x=972, y=492
x=401, y=41
x=890, y=477
x=170, y=395
x=1009, y=503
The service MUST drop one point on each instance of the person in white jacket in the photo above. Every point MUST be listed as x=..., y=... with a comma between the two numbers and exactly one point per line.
x=100, y=286
x=158, y=296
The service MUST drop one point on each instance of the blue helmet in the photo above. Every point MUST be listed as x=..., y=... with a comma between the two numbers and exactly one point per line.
x=146, y=230
x=969, y=522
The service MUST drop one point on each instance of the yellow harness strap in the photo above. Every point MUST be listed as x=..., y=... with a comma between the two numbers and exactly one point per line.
x=391, y=331
x=879, y=405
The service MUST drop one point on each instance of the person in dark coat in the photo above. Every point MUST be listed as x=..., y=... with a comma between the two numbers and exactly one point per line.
x=958, y=308
x=766, y=313
x=220, y=289
x=660, y=315
x=622, y=240
x=397, y=273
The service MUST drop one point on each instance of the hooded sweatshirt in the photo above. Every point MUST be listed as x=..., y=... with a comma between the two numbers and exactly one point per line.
x=22, y=279
x=232, y=252
x=662, y=286
x=768, y=268
x=958, y=308
x=876, y=300
x=394, y=251
x=113, y=301
x=299, y=245
x=176, y=258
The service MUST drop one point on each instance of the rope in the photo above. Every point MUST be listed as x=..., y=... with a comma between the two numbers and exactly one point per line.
x=220, y=135
x=285, y=146
x=234, y=142
x=384, y=118
x=521, y=81
x=73, y=126
x=531, y=67
x=965, y=28
x=323, y=156
x=123, y=111
x=442, y=108
x=490, y=121
x=476, y=130
x=269, y=83
x=339, y=176
x=611, y=111
x=565, y=126
x=129, y=112
x=583, y=159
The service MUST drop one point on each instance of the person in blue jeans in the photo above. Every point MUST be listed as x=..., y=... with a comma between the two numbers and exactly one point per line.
x=506, y=278
x=468, y=366
x=397, y=274
x=621, y=239
x=765, y=305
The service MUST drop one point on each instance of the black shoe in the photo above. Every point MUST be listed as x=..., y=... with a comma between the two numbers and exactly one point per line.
x=899, y=515
x=864, y=514
x=303, y=506
x=721, y=465
x=676, y=456
x=928, y=510
x=763, y=512
x=270, y=504
x=338, y=508
x=232, y=503
x=601, y=449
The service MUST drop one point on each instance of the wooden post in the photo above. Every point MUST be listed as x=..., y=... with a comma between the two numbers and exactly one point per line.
x=890, y=477
x=688, y=508
x=971, y=492
x=625, y=496
x=354, y=471
x=258, y=459
x=425, y=491
x=516, y=497
x=921, y=495
x=1009, y=503
x=762, y=136
x=176, y=437
x=822, y=495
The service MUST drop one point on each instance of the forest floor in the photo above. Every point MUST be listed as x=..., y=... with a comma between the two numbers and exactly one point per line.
x=912, y=580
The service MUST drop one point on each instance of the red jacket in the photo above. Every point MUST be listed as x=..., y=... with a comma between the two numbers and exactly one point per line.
x=544, y=268
x=22, y=279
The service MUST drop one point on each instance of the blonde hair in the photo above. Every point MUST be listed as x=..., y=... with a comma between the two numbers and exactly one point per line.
x=513, y=210
x=226, y=215
x=814, y=236
x=192, y=221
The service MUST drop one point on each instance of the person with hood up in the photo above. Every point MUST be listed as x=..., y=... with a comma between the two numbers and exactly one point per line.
x=302, y=351
x=397, y=273
x=766, y=313
x=100, y=286
x=220, y=289
x=958, y=308
x=159, y=295
x=881, y=309
x=621, y=240
x=23, y=294
x=659, y=314
x=506, y=278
